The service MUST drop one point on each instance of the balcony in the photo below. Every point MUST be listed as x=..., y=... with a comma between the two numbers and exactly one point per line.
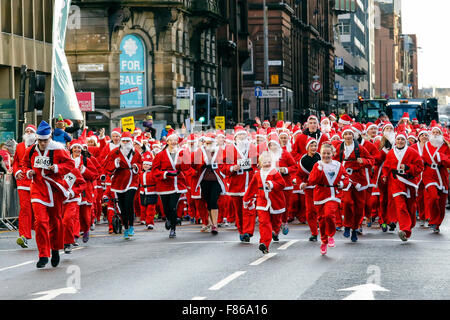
x=209, y=7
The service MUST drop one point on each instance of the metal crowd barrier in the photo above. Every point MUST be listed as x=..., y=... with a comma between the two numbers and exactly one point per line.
x=9, y=202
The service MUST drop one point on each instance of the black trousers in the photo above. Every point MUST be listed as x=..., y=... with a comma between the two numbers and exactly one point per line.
x=126, y=205
x=211, y=191
x=170, y=204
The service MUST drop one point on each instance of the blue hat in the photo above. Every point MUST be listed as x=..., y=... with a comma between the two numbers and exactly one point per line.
x=44, y=131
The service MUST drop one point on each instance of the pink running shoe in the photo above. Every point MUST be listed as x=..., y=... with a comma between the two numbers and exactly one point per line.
x=331, y=242
x=323, y=249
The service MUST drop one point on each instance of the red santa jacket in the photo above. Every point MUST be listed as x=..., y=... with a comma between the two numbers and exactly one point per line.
x=75, y=184
x=199, y=163
x=271, y=199
x=124, y=171
x=436, y=162
x=354, y=169
x=163, y=164
x=370, y=172
x=327, y=179
x=147, y=183
x=24, y=183
x=299, y=147
x=45, y=181
x=400, y=183
x=287, y=161
x=90, y=174
x=239, y=180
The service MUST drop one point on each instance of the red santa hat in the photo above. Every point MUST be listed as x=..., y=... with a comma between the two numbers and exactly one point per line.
x=147, y=158
x=270, y=132
x=415, y=120
x=116, y=131
x=261, y=133
x=274, y=139
x=209, y=137
x=333, y=117
x=220, y=133
x=345, y=119
x=239, y=130
x=280, y=125
x=313, y=117
x=296, y=130
x=266, y=122
x=358, y=127
x=437, y=126
x=370, y=125
x=323, y=119
x=75, y=142
x=92, y=136
x=126, y=136
x=31, y=127
x=422, y=131
x=309, y=141
x=387, y=124
x=405, y=116
x=191, y=138
x=172, y=134
x=284, y=132
x=401, y=134
x=347, y=128
x=137, y=130
x=334, y=134
x=412, y=135
x=138, y=140
x=68, y=122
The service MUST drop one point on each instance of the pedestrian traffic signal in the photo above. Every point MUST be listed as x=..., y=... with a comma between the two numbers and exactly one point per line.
x=399, y=94
x=202, y=105
x=36, y=95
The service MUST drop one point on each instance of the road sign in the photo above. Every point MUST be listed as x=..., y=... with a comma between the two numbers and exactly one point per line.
x=280, y=115
x=258, y=91
x=338, y=63
x=128, y=124
x=274, y=63
x=271, y=93
x=337, y=84
x=274, y=79
x=316, y=86
x=220, y=123
x=183, y=92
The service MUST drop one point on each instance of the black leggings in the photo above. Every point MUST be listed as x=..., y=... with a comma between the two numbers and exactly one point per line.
x=170, y=204
x=126, y=205
x=211, y=191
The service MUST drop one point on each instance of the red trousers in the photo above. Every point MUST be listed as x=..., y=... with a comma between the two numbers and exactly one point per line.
x=267, y=222
x=148, y=214
x=297, y=207
x=374, y=205
x=353, y=205
x=387, y=206
x=237, y=206
x=26, y=217
x=222, y=204
x=367, y=204
x=406, y=212
x=311, y=211
x=202, y=211
x=231, y=217
x=435, y=202
x=420, y=201
x=85, y=218
x=68, y=221
x=326, y=214
x=287, y=196
x=48, y=225
x=98, y=203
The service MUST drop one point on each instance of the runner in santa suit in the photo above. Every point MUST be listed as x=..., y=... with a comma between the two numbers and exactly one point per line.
x=26, y=218
x=210, y=181
x=327, y=176
x=264, y=194
x=75, y=184
x=363, y=140
x=168, y=168
x=299, y=147
x=124, y=164
x=305, y=165
x=46, y=163
x=435, y=176
x=261, y=140
x=404, y=165
x=387, y=215
x=343, y=121
x=286, y=165
x=419, y=147
x=325, y=125
x=355, y=158
x=334, y=124
x=90, y=174
x=94, y=150
x=147, y=188
x=224, y=199
x=240, y=160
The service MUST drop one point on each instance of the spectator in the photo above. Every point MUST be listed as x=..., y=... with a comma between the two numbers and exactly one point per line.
x=165, y=131
x=59, y=135
x=5, y=157
x=148, y=124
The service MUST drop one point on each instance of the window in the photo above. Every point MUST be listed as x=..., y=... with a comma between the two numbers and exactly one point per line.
x=247, y=67
x=344, y=28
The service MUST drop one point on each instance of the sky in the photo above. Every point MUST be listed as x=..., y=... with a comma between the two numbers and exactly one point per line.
x=430, y=21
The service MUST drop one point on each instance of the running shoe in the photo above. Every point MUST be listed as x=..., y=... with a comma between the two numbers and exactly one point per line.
x=323, y=249
x=263, y=248
x=241, y=237
x=331, y=242
x=275, y=237
x=76, y=244
x=432, y=227
x=22, y=241
x=313, y=238
x=402, y=235
x=347, y=232
x=204, y=229
x=246, y=237
x=67, y=248
x=214, y=230
x=384, y=227
x=392, y=226
x=55, y=258
x=285, y=229
x=125, y=234
x=42, y=262
x=338, y=228
x=150, y=227
x=131, y=231
x=86, y=236
x=172, y=234
x=354, y=237
x=111, y=231
x=167, y=225
x=93, y=227
x=422, y=223
x=359, y=231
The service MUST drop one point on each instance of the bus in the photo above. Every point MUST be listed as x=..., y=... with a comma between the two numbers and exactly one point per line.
x=369, y=109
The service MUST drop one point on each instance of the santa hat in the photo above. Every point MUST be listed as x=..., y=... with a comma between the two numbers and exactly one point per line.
x=147, y=158
x=437, y=126
x=172, y=134
x=126, y=136
x=284, y=132
x=405, y=116
x=313, y=117
x=44, y=131
x=370, y=125
x=280, y=125
x=401, y=134
x=91, y=136
x=309, y=141
x=31, y=127
x=220, y=133
x=137, y=130
x=270, y=132
x=191, y=138
x=347, y=128
x=415, y=120
x=261, y=133
x=387, y=124
x=323, y=119
x=75, y=142
x=296, y=130
x=138, y=140
x=333, y=116
x=422, y=131
x=209, y=137
x=239, y=130
x=68, y=122
x=358, y=127
x=274, y=139
x=116, y=131
x=412, y=135
x=345, y=119
x=333, y=134
x=266, y=122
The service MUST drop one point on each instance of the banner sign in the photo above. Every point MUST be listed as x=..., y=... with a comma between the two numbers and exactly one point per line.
x=7, y=119
x=86, y=101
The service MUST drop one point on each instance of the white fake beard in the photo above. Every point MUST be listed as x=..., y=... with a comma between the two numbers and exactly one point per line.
x=325, y=128
x=242, y=145
x=29, y=139
x=390, y=136
x=436, y=141
x=275, y=156
x=126, y=148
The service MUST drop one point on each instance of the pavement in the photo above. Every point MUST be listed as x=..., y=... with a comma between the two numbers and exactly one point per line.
x=201, y=266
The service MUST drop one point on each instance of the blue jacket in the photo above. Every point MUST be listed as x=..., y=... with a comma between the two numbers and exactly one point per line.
x=60, y=135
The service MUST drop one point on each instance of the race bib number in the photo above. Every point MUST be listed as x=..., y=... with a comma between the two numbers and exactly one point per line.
x=42, y=162
x=70, y=179
x=244, y=163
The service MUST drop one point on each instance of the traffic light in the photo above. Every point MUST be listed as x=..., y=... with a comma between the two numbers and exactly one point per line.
x=213, y=108
x=229, y=110
x=202, y=104
x=399, y=94
x=36, y=95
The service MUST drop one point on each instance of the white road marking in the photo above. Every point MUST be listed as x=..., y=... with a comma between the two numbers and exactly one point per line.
x=17, y=265
x=227, y=280
x=363, y=292
x=261, y=260
x=51, y=294
x=198, y=298
x=288, y=244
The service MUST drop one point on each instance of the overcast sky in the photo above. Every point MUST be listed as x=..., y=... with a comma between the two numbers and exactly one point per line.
x=430, y=20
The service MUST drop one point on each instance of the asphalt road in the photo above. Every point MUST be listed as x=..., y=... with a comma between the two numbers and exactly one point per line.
x=201, y=266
